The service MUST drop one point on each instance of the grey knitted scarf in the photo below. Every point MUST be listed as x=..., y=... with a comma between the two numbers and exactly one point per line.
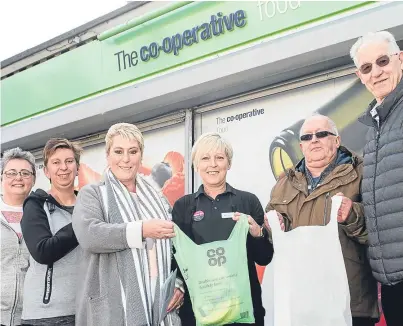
x=133, y=265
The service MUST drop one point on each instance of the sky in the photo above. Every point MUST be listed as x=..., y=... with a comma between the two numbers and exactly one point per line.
x=27, y=23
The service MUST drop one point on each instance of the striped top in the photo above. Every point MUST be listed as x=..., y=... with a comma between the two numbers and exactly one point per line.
x=12, y=215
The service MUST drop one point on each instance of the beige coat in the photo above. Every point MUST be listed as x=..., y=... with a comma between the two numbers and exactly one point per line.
x=290, y=198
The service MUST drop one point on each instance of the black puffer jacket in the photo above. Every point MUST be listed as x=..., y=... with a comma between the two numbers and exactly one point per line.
x=382, y=187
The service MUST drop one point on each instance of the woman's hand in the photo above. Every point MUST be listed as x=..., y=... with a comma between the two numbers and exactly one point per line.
x=254, y=228
x=158, y=229
x=176, y=301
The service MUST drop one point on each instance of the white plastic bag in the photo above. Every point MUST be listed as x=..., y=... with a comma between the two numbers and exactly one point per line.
x=310, y=286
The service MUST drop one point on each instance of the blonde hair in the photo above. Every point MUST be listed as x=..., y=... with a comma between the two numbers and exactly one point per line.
x=209, y=142
x=377, y=37
x=126, y=130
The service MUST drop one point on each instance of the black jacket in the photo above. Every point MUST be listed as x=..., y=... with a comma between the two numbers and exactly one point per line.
x=259, y=250
x=382, y=187
x=43, y=246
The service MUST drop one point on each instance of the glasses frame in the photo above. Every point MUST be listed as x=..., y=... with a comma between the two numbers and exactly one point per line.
x=319, y=135
x=376, y=62
x=18, y=173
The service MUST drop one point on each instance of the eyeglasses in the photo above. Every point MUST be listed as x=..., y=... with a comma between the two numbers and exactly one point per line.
x=12, y=174
x=383, y=61
x=319, y=134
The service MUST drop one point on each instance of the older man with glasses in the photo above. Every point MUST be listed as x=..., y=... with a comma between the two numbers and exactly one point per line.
x=302, y=197
x=380, y=62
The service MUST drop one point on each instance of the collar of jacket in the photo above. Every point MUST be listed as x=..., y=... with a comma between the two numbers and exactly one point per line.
x=346, y=162
x=344, y=156
x=42, y=196
x=228, y=188
x=385, y=108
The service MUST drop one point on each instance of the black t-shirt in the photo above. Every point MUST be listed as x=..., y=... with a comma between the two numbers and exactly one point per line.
x=212, y=226
x=69, y=209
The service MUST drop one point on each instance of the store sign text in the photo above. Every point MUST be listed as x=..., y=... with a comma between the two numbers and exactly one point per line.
x=219, y=24
x=269, y=9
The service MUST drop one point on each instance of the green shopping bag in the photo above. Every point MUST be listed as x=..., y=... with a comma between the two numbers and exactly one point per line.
x=217, y=276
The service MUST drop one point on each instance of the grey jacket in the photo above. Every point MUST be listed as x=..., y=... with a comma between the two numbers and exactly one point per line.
x=382, y=187
x=99, y=295
x=14, y=264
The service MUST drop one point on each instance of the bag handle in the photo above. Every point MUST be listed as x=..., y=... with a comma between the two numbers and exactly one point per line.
x=336, y=203
x=274, y=222
x=240, y=227
x=181, y=238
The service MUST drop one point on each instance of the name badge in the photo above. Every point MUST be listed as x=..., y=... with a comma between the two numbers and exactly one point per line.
x=227, y=215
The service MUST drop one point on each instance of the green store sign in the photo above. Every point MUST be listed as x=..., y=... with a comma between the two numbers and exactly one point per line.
x=218, y=25
x=191, y=32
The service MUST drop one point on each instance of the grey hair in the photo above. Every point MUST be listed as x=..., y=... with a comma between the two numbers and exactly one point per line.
x=377, y=37
x=211, y=141
x=17, y=154
x=332, y=125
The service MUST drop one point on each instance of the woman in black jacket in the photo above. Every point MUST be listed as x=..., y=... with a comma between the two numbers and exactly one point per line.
x=50, y=283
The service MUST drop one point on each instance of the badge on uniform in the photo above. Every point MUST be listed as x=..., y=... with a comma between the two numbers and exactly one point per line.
x=198, y=216
x=227, y=215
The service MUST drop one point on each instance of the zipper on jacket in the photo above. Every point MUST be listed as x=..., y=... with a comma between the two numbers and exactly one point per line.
x=378, y=135
x=15, y=300
x=16, y=292
x=326, y=200
x=17, y=287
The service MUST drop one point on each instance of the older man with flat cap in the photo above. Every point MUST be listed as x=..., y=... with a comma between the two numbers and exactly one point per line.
x=380, y=62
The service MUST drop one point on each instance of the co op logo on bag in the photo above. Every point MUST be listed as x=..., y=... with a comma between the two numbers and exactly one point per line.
x=216, y=256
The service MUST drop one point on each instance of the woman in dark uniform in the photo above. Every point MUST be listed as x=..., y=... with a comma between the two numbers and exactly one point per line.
x=206, y=216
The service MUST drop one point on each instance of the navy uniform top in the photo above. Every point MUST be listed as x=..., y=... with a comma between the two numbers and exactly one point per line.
x=200, y=217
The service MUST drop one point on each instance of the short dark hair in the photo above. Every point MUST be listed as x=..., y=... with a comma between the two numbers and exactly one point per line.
x=54, y=144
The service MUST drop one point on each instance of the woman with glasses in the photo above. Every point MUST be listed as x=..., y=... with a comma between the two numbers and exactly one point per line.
x=17, y=179
x=50, y=283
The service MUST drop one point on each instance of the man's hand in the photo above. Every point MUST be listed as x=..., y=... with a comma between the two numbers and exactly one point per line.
x=254, y=228
x=176, y=301
x=280, y=218
x=345, y=208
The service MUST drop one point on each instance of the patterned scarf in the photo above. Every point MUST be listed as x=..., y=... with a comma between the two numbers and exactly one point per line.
x=133, y=264
x=313, y=183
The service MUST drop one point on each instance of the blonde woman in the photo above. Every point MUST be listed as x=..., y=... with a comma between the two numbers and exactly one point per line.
x=124, y=228
x=202, y=216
